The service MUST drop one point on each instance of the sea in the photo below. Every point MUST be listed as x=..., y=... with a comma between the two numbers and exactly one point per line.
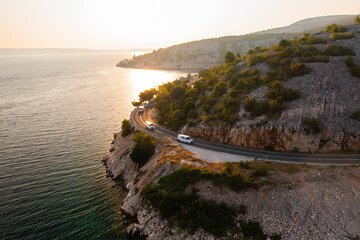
x=58, y=112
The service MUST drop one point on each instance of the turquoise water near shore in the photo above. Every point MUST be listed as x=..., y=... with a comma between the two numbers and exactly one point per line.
x=57, y=116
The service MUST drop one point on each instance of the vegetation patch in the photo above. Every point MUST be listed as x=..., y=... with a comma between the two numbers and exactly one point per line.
x=312, y=125
x=337, y=50
x=334, y=28
x=192, y=212
x=357, y=20
x=323, y=59
x=278, y=97
x=125, y=128
x=354, y=69
x=144, y=148
x=216, y=97
x=338, y=36
x=356, y=115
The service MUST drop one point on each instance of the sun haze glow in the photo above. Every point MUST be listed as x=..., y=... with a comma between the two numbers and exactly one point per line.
x=119, y=24
x=143, y=79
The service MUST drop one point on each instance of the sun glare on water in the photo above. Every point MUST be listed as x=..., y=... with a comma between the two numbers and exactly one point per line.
x=145, y=79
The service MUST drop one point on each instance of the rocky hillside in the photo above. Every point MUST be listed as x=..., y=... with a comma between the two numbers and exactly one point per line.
x=207, y=53
x=177, y=196
x=299, y=95
x=313, y=24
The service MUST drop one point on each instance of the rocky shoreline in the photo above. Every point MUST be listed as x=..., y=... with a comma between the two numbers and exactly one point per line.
x=313, y=202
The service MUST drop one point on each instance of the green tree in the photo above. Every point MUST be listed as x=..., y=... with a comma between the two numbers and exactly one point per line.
x=125, y=128
x=135, y=103
x=333, y=28
x=144, y=148
x=147, y=95
x=177, y=92
x=229, y=57
x=220, y=89
x=284, y=44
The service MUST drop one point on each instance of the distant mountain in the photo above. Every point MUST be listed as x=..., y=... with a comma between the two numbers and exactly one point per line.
x=206, y=53
x=313, y=24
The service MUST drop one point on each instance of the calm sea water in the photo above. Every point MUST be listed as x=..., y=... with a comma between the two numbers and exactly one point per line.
x=57, y=116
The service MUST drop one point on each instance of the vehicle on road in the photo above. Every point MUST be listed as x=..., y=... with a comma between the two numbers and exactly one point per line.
x=185, y=138
x=141, y=109
x=145, y=104
x=149, y=125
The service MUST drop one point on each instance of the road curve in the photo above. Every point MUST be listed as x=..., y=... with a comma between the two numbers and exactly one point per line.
x=337, y=159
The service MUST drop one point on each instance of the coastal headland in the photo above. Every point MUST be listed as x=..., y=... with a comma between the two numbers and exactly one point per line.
x=275, y=200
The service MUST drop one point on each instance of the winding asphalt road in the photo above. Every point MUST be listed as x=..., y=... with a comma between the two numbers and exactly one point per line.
x=338, y=159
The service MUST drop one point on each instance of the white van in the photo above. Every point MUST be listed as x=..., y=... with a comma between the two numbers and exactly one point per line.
x=141, y=109
x=149, y=125
x=185, y=138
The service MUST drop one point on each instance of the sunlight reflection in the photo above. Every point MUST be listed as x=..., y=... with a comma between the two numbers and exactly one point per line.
x=142, y=79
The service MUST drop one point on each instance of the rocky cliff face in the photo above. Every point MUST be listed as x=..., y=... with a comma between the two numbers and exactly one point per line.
x=329, y=93
x=165, y=161
x=304, y=202
x=279, y=137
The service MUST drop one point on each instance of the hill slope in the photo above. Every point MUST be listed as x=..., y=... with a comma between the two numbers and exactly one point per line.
x=207, y=53
x=299, y=95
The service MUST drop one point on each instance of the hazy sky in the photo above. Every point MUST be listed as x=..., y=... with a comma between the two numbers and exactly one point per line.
x=118, y=24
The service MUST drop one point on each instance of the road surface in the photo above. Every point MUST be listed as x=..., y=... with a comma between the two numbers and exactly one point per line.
x=340, y=159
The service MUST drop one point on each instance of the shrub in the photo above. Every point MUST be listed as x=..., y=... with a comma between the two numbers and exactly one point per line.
x=269, y=148
x=177, y=92
x=337, y=50
x=337, y=36
x=252, y=230
x=144, y=148
x=177, y=119
x=312, y=125
x=229, y=57
x=354, y=69
x=356, y=115
x=324, y=59
x=315, y=40
x=189, y=210
x=249, y=73
x=357, y=20
x=333, y=28
x=299, y=69
x=255, y=50
x=275, y=237
x=125, y=128
x=250, y=104
x=283, y=44
x=231, y=72
x=282, y=94
x=193, y=114
x=219, y=89
x=259, y=172
x=255, y=59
